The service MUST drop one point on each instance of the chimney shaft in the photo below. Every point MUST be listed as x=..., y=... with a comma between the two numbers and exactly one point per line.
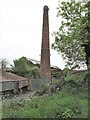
x=45, y=69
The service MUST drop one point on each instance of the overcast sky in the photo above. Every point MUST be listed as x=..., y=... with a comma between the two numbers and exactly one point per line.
x=21, y=29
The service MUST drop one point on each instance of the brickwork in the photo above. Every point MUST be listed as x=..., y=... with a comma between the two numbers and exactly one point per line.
x=45, y=69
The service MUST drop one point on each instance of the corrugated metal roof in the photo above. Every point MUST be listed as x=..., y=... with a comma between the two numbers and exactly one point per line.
x=11, y=76
x=38, y=62
x=33, y=61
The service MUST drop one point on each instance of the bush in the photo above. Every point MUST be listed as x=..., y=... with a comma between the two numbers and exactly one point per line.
x=42, y=89
x=67, y=113
x=65, y=72
x=35, y=72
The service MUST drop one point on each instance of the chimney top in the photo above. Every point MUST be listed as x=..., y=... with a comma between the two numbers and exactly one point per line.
x=46, y=8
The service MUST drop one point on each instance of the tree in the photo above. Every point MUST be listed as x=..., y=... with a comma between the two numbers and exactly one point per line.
x=72, y=33
x=3, y=64
x=35, y=72
x=87, y=44
x=24, y=68
x=21, y=66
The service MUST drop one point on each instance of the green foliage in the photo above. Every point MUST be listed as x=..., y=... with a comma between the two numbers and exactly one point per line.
x=56, y=75
x=67, y=113
x=22, y=67
x=73, y=32
x=60, y=105
x=70, y=102
x=79, y=77
x=35, y=72
x=43, y=89
x=65, y=72
x=76, y=82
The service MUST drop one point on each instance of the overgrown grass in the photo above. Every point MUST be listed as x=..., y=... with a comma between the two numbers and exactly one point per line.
x=77, y=77
x=58, y=105
x=70, y=102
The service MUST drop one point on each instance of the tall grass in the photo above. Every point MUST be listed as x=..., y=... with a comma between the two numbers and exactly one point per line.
x=58, y=105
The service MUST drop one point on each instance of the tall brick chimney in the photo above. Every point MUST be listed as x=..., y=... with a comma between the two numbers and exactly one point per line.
x=45, y=69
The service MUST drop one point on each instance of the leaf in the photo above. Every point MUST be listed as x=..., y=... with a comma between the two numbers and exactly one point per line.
x=72, y=32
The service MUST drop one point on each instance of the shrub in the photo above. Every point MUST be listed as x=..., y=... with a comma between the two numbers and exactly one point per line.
x=42, y=89
x=35, y=72
x=67, y=113
x=65, y=72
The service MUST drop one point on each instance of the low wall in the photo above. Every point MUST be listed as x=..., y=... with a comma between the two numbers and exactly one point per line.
x=37, y=83
x=13, y=85
x=7, y=85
